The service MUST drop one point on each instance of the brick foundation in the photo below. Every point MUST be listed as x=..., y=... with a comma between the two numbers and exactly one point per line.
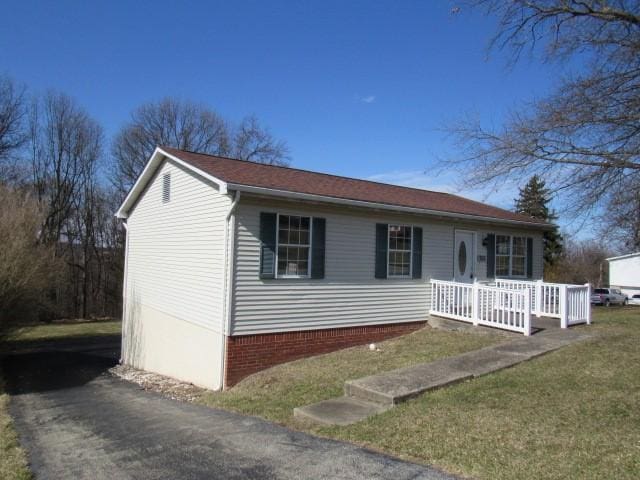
x=247, y=354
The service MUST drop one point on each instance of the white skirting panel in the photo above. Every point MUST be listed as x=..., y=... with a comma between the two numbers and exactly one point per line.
x=163, y=344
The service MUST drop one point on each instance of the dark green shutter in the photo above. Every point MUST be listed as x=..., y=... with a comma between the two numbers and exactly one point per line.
x=317, y=248
x=382, y=240
x=529, y=257
x=416, y=268
x=491, y=255
x=268, y=231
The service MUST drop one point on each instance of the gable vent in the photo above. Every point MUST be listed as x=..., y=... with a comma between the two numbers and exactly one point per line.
x=166, y=188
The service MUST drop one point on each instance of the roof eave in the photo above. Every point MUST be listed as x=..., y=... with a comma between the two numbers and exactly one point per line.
x=381, y=206
x=622, y=257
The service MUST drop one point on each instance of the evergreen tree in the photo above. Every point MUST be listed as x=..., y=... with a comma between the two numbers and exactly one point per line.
x=534, y=201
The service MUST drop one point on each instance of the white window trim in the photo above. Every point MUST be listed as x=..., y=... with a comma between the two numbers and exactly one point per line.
x=410, y=275
x=308, y=275
x=510, y=273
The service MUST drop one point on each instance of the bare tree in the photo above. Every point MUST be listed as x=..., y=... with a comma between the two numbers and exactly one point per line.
x=253, y=142
x=584, y=138
x=620, y=221
x=66, y=150
x=13, y=132
x=187, y=126
x=582, y=261
x=65, y=143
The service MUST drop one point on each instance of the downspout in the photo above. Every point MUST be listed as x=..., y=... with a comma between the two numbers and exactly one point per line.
x=229, y=243
x=124, y=287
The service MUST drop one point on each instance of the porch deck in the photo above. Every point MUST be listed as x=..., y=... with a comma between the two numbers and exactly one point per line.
x=512, y=304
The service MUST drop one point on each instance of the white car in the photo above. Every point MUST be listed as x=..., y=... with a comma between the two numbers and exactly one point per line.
x=634, y=300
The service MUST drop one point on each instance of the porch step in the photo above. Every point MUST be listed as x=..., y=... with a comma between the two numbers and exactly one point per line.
x=339, y=411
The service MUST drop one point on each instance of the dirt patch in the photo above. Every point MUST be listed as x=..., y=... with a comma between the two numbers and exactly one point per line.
x=169, y=387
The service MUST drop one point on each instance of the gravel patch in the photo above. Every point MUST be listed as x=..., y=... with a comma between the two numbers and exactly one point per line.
x=166, y=386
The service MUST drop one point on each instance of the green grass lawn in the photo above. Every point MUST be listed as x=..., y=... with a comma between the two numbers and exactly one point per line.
x=274, y=393
x=66, y=329
x=574, y=413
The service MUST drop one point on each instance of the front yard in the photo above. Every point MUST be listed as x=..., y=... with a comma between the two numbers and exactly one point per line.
x=574, y=413
x=273, y=393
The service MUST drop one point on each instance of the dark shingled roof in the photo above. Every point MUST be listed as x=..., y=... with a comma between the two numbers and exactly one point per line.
x=253, y=174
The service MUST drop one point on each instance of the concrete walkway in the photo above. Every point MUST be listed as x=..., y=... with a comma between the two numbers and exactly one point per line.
x=374, y=394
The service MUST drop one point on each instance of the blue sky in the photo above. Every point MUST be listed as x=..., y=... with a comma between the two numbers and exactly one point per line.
x=355, y=88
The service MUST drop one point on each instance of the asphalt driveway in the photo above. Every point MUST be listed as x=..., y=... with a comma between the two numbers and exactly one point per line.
x=76, y=421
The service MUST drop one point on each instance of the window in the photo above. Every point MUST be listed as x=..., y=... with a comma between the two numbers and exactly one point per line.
x=399, y=260
x=519, y=257
x=294, y=234
x=166, y=188
x=511, y=256
x=503, y=253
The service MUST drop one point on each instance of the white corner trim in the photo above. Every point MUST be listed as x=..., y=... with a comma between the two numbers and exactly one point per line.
x=147, y=173
x=380, y=206
x=227, y=289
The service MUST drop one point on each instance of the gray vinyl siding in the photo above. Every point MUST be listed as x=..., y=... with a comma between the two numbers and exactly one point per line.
x=349, y=295
x=175, y=260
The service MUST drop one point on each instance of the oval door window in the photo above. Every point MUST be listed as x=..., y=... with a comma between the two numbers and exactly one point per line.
x=462, y=257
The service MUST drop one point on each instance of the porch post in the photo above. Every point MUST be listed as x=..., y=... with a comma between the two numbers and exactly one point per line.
x=538, y=305
x=475, y=307
x=563, y=306
x=527, y=312
x=588, y=303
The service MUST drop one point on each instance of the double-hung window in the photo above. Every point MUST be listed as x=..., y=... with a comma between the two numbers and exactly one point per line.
x=399, y=251
x=294, y=246
x=511, y=256
x=518, y=256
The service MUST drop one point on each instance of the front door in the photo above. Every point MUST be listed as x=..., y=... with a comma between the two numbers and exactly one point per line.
x=463, y=256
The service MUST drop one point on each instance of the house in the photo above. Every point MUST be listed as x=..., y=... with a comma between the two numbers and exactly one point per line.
x=624, y=273
x=233, y=266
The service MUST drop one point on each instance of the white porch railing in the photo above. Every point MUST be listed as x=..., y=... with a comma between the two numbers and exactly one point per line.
x=508, y=309
x=509, y=304
x=570, y=303
x=577, y=303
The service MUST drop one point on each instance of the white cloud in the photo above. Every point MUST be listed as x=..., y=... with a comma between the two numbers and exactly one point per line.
x=368, y=99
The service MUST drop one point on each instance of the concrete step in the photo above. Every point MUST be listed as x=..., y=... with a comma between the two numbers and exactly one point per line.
x=339, y=411
x=396, y=386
